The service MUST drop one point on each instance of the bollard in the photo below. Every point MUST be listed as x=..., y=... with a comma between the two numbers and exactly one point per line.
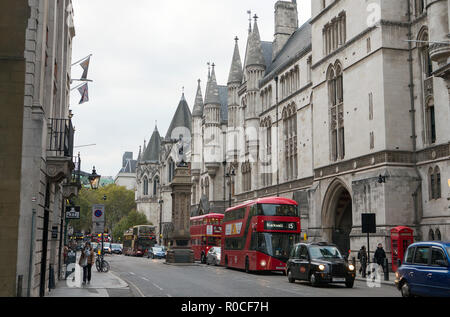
x=386, y=269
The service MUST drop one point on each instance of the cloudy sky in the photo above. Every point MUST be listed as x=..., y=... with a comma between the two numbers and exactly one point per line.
x=144, y=52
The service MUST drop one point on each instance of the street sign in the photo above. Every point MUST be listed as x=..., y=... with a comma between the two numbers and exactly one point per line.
x=98, y=219
x=98, y=213
x=73, y=212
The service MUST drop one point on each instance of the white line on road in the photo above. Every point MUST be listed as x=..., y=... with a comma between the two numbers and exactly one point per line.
x=158, y=287
x=145, y=279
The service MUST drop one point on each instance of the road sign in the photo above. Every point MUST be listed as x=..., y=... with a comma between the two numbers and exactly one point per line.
x=98, y=213
x=98, y=227
x=73, y=212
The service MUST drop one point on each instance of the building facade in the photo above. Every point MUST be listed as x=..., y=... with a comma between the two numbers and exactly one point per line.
x=346, y=114
x=38, y=161
x=155, y=169
x=127, y=174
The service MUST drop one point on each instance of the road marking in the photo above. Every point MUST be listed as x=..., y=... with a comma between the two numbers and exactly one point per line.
x=132, y=273
x=158, y=287
x=145, y=279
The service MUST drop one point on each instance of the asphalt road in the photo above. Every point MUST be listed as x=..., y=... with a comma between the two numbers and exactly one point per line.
x=154, y=278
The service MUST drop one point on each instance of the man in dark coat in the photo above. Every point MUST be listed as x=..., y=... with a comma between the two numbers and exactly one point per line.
x=379, y=256
x=362, y=257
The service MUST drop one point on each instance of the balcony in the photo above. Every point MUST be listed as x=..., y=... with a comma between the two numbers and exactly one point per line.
x=60, y=150
x=73, y=186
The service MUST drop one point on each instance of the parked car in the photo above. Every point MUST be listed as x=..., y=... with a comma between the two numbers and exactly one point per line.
x=106, y=247
x=116, y=248
x=213, y=256
x=156, y=253
x=319, y=263
x=425, y=270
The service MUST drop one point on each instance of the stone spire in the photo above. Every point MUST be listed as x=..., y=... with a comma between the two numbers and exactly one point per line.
x=152, y=151
x=198, y=104
x=255, y=52
x=236, y=72
x=181, y=119
x=212, y=90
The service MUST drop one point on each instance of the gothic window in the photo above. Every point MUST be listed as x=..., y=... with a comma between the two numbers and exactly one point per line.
x=431, y=235
x=145, y=186
x=419, y=6
x=438, y=235
x=431, y=121
x=290, y=141
x=207, y=187
x=266, y=152
x=246, y=176
x=424, y=51
x=171, y=171
x=434, y=184
x=334, y=34
x=336, y=104
x=155, y=185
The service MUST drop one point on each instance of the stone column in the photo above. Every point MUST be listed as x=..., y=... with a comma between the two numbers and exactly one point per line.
x=438, y=21
x=180, y=248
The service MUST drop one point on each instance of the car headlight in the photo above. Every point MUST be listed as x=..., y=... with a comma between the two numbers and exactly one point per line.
x=351, y=267
x=322, y=267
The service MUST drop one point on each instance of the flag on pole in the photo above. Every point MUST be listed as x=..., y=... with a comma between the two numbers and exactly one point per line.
x=84, y=93
x=85, y=66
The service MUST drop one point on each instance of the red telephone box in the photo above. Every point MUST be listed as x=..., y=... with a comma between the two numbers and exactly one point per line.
x=401, y=238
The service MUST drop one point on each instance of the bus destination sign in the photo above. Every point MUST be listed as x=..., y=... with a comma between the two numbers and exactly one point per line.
x=279, y=225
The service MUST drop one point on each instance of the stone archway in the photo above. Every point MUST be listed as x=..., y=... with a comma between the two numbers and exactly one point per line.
x=337, y=216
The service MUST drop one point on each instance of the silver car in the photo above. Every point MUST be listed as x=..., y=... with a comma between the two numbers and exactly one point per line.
x=213, y=256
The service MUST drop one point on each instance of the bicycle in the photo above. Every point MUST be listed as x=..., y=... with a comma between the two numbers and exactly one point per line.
x=101, y=264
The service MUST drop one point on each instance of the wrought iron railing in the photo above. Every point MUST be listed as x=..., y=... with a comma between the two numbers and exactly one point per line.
x=61, y=137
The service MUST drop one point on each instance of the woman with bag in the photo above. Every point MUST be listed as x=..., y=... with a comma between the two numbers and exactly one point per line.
x=86, y=260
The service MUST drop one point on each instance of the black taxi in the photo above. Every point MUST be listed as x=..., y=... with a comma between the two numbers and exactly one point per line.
x=319, y=263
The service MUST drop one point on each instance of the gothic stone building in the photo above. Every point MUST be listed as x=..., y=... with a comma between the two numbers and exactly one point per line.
x=346, y=114
x=156, y=165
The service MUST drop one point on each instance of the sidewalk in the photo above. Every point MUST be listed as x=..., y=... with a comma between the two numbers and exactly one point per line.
x=102, y=285
x=390, y=282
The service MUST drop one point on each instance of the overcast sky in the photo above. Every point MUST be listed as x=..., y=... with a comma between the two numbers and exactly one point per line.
x=144, y=52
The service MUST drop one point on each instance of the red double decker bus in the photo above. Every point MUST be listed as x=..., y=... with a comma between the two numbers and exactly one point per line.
x=206, y=232
x=258, y=235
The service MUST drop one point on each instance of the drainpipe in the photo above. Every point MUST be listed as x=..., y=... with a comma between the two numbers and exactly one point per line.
x=415, y=195
x=278, y=141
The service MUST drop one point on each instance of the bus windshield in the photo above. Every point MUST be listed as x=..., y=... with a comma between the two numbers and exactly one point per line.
x=278, y=210
x=277, y=245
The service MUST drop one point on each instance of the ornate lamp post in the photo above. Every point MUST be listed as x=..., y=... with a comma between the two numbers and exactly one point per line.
x=94, y=179
x=230, y=176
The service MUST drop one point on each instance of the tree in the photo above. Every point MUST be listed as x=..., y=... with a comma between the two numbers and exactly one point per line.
x=134, y=218
x=118, y=204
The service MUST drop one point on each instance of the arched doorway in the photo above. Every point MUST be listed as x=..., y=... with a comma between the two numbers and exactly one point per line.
x=337, y=217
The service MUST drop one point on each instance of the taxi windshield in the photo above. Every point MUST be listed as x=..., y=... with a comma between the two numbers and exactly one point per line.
x=157, y=249
x=327, y=252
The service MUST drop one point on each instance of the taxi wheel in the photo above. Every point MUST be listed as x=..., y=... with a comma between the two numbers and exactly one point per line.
x=290, y=278
x=406, y=291
x=349, y=284
x=313, y=280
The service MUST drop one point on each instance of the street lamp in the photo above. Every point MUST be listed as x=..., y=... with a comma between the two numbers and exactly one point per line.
x=94, y=179
x=230, y=176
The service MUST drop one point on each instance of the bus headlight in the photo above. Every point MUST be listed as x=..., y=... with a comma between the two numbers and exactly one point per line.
x=263, y=263
x=322, y=267
x=351, y=267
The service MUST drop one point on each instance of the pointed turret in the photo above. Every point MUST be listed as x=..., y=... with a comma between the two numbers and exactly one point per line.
x=182, y=119
x=236, y=72
x=212, y=90
x=198, y=104
x=255, y=51
x=152, y=151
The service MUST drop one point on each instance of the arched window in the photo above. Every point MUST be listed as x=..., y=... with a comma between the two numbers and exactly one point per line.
x=434, y=183
x=246, y=170
x=145, y=186
x=336, y=104
x=431, y=121
x=207, y=187
x=424, y=52
x=438, y=235
x=155, y=185
x=290, y=141
x=419, y=7
x=171, y=171
x=431, y=235
x=266, y=152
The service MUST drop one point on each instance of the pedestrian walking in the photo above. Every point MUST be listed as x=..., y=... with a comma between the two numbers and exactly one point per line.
x=362, y=257
x=379, y=256
x=86, y=261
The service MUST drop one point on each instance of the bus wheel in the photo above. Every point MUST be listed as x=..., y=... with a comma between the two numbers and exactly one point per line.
x=247, y=270
x=226, y=262
x=203, y=259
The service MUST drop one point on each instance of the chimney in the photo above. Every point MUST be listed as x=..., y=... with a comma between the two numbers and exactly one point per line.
x=286, y=23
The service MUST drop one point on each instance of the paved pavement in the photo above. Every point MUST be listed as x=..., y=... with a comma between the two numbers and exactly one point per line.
x=102, y=285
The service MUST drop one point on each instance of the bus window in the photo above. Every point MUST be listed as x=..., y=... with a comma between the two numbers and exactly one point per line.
x=278, y=210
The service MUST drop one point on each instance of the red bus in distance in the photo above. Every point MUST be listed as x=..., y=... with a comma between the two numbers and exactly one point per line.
x=258, y=235
x=206, y=232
